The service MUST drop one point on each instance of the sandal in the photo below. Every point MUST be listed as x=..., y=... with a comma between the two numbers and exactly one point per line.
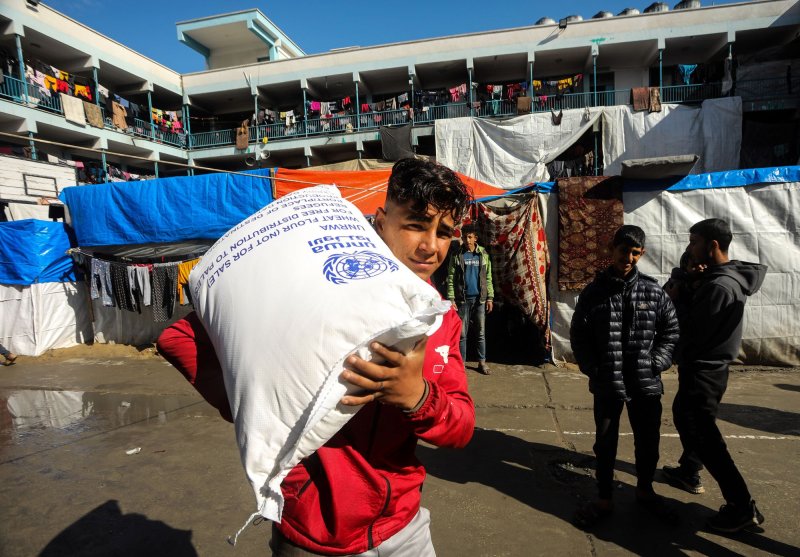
x=590, y=515
x=10, y=359
x=660, y=508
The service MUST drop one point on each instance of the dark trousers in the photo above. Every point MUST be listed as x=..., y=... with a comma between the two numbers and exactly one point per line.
x=644, y=414
x=695, y=412
x=473, y=310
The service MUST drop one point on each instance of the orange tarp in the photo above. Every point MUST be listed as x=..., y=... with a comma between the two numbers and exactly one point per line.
x=366, y=189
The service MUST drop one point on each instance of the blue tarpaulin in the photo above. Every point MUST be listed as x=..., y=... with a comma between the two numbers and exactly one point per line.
x=33, y=251
x=726, y=179
x=165, y=210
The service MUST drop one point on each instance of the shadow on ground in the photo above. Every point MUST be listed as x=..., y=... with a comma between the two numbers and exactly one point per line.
x=770, y=420
x=556, y=481
x=107, y=531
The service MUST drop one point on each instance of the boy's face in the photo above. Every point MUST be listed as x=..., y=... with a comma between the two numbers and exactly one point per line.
x=471, y=241
x=624, y=258
x=698, y=251
x=419, y=240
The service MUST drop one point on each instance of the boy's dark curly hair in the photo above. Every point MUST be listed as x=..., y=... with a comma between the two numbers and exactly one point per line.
x=422, y=183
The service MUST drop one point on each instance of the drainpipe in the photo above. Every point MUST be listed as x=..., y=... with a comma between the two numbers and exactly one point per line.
x=594, y=72
x=96, y=87
x=660, y=72
x=21, y=68
x=33, y=146
x=155, y=165
x=105, y=165
x=150, y=114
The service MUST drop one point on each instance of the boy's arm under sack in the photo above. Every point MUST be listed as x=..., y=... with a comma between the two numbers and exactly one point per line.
x=185, y=344
x=447, y=417
x=667, y=334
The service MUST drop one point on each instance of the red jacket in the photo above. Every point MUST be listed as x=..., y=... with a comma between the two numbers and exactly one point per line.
x=363, y=485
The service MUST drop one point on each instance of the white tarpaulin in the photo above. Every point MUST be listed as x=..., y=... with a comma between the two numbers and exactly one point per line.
x=509, y=153
x=514, y=152
x=766, y=229
x=39, y=317
x=113, y=325
x=713, y=131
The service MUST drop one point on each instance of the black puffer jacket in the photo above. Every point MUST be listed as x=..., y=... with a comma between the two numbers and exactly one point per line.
x=623, y=334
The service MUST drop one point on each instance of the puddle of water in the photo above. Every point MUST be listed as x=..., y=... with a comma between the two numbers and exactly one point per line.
x=35, y=419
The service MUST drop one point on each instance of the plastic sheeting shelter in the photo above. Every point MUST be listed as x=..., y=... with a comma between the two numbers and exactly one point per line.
x=763, y=209
x=41, y=304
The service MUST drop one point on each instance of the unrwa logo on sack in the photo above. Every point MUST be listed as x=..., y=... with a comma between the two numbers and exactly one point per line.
x=343, y=267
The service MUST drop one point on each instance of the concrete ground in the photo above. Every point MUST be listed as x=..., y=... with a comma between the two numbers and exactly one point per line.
x=69, y=487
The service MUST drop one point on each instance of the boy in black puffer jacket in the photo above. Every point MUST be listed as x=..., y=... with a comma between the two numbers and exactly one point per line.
x=623, y=333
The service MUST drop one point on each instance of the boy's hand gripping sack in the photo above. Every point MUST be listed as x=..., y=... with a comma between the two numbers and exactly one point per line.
x=286, y=296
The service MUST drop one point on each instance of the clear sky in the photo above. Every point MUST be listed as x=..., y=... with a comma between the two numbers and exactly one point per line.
x=148, y=26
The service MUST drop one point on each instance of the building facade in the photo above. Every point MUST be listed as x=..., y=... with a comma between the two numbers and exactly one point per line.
x=262, y=101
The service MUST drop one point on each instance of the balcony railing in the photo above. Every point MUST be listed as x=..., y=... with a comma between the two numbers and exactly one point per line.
x=762, y=94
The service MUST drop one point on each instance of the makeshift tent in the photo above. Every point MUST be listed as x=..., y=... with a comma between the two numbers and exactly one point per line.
x=514, y=152
x=366, y=189
x=40, y=300
x=762, y=207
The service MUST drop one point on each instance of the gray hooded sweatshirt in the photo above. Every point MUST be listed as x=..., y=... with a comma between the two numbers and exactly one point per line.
x=711, y=328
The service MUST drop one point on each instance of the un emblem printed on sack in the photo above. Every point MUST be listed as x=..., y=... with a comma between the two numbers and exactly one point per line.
x=341, y=268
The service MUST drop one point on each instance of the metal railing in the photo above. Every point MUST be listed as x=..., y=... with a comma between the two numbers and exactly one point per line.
x=760, y=94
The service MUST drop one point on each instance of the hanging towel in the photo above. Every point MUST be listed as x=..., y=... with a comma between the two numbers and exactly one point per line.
x=73, y=109
x=242, y=136
x=523, y=105
x=93, y=114
x=640, y=98
x=164, y=285
x=118, y=115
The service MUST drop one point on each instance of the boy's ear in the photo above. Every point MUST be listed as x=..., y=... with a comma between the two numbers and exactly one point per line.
x=380, y=215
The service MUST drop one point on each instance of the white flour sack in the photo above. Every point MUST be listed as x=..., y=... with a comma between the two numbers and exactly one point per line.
x=286, y=295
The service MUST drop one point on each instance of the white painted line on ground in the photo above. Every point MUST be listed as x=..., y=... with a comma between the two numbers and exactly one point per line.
x=675, y=435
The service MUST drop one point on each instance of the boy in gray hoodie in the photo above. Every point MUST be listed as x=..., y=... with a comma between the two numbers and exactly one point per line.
x=710, y=305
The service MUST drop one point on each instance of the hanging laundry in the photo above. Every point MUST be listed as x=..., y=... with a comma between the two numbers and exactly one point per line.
x=119, y=115
x=655, y=99
x=143, y=282
x=556, y=118
x=93, y=114
x=121, y=286
x=686, y=72
x=640, y=98
x=101, y=286
x=62, y=86
x=564, y=83
x=497, y=91
x=73, y=109
x=524, y=105
x=315, y=106
x=51, y=83
x=133, y=291
x=403, y=98
x=102, y=91
x=164, y=286
x=83, y=91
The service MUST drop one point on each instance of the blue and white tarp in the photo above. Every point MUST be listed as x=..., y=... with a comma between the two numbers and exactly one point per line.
x=34, y=251
x=165, y=210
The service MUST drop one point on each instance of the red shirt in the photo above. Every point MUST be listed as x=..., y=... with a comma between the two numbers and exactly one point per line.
x=362, y=486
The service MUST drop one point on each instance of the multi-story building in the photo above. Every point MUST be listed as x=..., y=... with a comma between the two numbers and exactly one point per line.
x=304, y=110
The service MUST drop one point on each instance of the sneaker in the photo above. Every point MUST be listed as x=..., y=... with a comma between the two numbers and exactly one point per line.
x=678, y=478
x=732, y=518
x=483, y=368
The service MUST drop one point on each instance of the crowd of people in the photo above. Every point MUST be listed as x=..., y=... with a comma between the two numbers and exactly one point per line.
x=626, y=330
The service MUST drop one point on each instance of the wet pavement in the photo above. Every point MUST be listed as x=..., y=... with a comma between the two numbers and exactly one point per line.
x=119, y=456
